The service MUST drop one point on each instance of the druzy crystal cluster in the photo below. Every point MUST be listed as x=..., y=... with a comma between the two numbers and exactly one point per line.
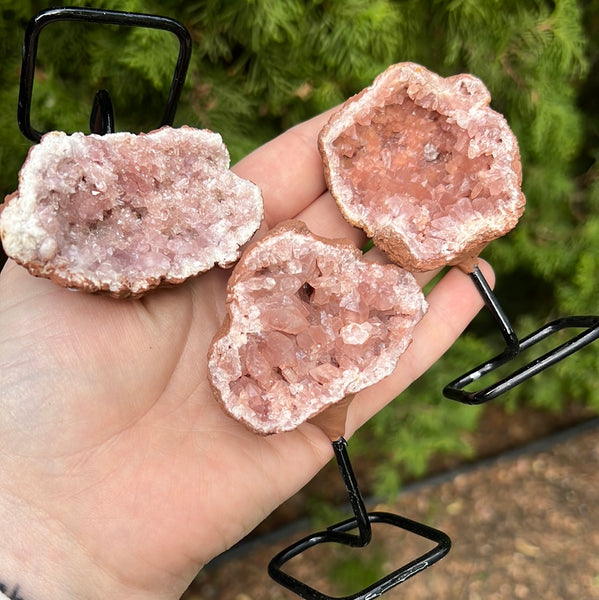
x=424, y=166
x=124, y=213
x=310, y=321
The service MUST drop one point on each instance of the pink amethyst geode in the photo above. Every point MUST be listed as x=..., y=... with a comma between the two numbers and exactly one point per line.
x=124, y=213
x=424, y=166
x=309, y=323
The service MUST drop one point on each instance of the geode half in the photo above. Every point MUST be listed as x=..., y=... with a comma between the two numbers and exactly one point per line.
x=424, y=166
x=124, y=213
x=309, y=323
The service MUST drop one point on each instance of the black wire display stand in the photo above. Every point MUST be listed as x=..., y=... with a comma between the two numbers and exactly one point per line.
x=102, y=115
x=361, y=523
x=356, y=531
x=456, y=390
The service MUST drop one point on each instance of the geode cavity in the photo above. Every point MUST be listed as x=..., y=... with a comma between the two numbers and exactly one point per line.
x=424, y=166
x=309, y=322
x=124, y=213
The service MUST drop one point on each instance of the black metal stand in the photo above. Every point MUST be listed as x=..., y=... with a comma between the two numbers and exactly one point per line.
x=362, y=522
x=102, y=119
x=456, y=389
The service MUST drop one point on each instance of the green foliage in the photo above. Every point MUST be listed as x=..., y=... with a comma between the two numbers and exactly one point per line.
x=260, y=66
x=352, y=572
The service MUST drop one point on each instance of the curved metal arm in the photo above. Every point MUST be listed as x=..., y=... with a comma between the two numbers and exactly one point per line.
x=101, y=120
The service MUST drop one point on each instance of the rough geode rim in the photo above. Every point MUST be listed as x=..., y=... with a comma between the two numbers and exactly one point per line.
x=462, y=98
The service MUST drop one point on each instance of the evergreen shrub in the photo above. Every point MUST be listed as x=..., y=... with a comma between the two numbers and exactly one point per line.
x=260, y=66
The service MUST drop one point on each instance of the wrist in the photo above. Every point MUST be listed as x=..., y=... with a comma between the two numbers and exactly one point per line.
x=33, y=555
x=40, y=560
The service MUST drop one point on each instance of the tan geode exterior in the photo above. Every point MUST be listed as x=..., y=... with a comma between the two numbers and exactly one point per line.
x=461, y=99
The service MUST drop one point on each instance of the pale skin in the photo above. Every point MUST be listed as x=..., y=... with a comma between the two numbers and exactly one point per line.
x=120, y=476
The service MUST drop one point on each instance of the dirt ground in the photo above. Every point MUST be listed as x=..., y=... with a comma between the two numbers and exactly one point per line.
x=524, y=525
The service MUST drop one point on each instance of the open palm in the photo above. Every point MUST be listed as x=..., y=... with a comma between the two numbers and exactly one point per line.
x=119, y=473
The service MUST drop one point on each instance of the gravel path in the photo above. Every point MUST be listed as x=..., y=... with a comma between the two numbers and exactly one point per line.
x=524, y=526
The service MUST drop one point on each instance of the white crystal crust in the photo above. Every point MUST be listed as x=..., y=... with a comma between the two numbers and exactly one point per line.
x=123, y=213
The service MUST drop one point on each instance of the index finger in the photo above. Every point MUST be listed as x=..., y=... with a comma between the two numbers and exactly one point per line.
x=288, y=170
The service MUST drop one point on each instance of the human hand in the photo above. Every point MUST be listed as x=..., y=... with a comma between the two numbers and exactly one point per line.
x=119, y=473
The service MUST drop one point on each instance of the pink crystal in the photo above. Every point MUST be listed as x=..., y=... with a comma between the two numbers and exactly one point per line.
x=424, y=166
x=284, y=314
x=279, y=348
x=123, y=213
x=310, y=321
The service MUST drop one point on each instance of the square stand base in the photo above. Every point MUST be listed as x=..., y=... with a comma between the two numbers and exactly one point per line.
x=334, y=533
